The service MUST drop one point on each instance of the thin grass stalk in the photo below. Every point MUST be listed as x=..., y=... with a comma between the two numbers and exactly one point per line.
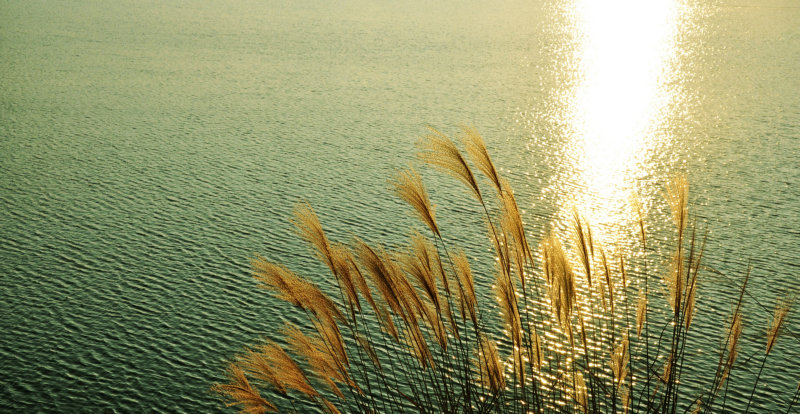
x=442, y=153
x=584, y=249
x=613, y=335
x=339, y=260
x=642, y=320
x=695, y=255
x=418, y=384
x=448, y=302
x=427, y=358
x=381, y=372
x=626, y=398
x=795, y=399
x=534, y=341
x=462, y=347
x=725, y=364
x=416, y=343
x=524, y=260
x=362, y=364
x=410, y=380
x=412, y=334
x=755, y=383
x=774, y=330
x=661, y=377
x=732, y=353
x=677, y=198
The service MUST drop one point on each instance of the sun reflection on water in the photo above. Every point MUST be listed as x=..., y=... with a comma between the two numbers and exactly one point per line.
x=612, y=139
x=623, y=56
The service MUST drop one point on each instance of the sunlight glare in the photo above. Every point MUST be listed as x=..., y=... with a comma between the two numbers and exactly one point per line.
x=624, y=58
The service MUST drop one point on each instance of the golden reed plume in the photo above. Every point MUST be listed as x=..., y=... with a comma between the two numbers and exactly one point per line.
x=409, y=187
x=781, y=310
x=476, y=150
x=241, y=392
x=438, y=150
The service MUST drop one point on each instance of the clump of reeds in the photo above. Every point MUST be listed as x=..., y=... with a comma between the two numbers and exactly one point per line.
x=406, y=330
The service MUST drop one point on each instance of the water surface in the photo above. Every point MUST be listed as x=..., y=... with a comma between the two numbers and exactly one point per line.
x=148, y=150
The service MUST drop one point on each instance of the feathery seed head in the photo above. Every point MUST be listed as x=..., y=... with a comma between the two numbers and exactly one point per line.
x=330, y=407
x=421, y=264
x=241, y=392
x=489, y=364
x=637, y=207
x=466, y=284
x=440, y=152
x=781, y=310
x=507, y=299
x=409, y=187
x=381, y=274
x=476, y=150
x=619, y=362
x=734, y=333
x=308, y=226
x=287, y=371
x=259, y=367
x=678, y=200
x=641, y=313
x=582, y=241
x=561, y=280
x=322, y=358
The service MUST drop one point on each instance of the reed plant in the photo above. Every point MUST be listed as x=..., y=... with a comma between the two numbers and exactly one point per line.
x=572, y=329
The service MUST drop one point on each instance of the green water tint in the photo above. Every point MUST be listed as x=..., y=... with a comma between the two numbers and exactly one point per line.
x=148, y=150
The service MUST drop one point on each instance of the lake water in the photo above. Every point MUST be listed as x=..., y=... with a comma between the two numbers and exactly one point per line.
x=149, y=149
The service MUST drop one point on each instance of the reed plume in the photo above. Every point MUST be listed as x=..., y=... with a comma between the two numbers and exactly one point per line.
x=561, y=282
x=422, y=264
x=439, y=151
x=292, y=288
x=409, y=187
x=241, y=392
x=476, y=150
x=636, y=203
x=507, y=299
x=511, y=222
x=489, y=361
x=346, y=273
x=678, y=201
x=619, y=362
x=773, y=331
x=781, y=310
x=381, y=271
x=582, y=240
x=418, y=346
x=308, y=226
x=287, y=371
x=641, y=310
x=407, y=329
x=607, y=277
x=329, y=407
x=373, y=356
x=323, y=360
x=734, y=333
x=580, y=395
x=357, y=278
x=259, y=367
x=466, y=285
